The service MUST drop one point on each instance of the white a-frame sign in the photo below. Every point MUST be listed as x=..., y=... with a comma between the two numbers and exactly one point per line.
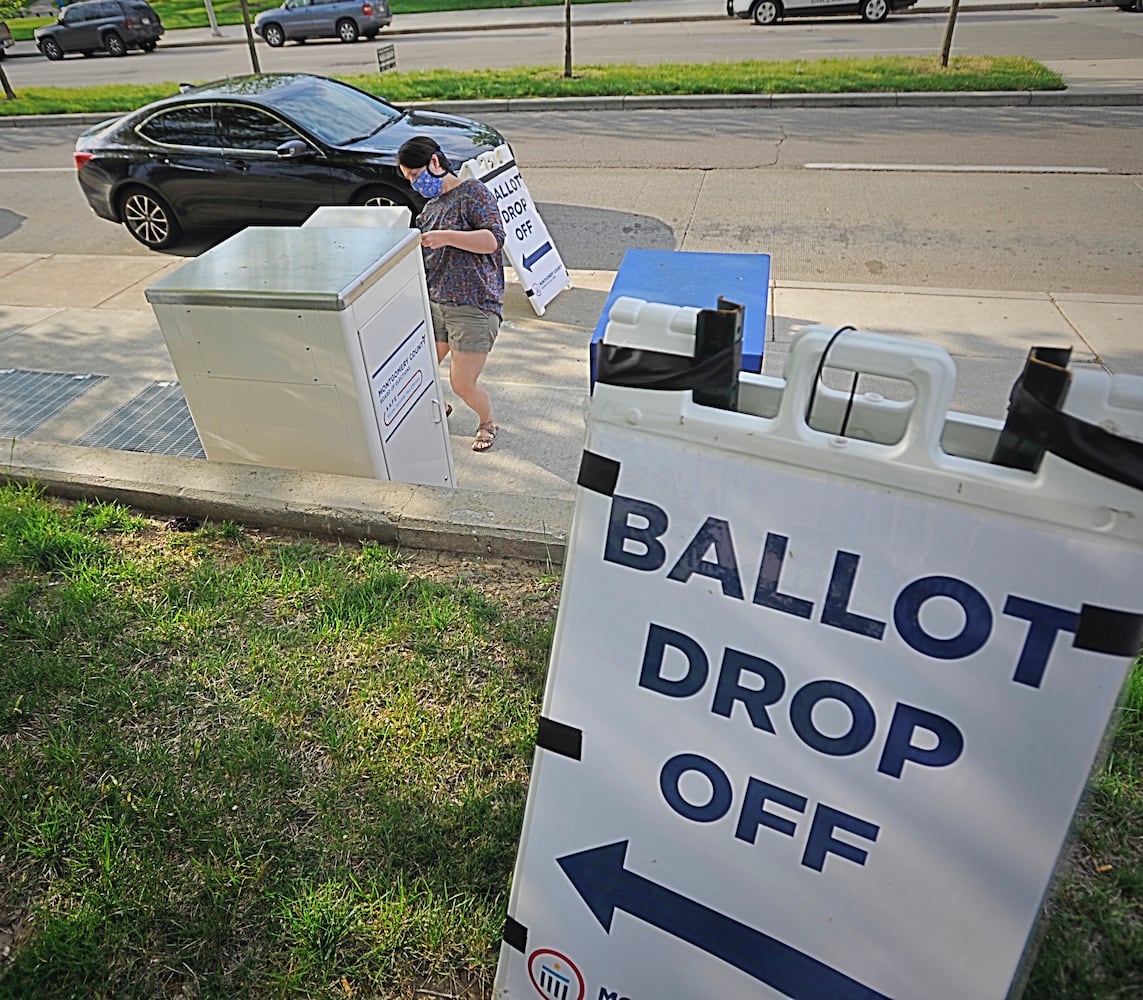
x=829, y=677
x=527, y=242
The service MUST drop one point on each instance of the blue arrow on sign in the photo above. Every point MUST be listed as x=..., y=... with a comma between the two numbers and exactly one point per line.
x=606, y=885
x=531, y=258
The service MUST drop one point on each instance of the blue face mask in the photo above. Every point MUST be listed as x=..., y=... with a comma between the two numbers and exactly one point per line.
x=427, y=184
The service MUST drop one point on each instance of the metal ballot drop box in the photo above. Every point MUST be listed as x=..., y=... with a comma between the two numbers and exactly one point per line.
x=310, y=348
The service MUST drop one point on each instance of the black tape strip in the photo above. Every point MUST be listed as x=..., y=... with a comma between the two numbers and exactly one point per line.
x=1035, y=424
x=636, y=368
x=498, y=171
x=598, y=474
x=1105, y=630
x=515, y=934
x=559, y=738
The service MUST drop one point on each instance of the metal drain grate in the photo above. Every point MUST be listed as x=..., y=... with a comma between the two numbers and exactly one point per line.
x=29, y=399
x=157, y=421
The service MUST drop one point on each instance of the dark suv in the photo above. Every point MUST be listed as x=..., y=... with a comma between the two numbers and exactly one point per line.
x=113, y=26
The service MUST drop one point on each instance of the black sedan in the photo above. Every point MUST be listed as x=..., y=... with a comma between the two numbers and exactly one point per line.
x=257, y=150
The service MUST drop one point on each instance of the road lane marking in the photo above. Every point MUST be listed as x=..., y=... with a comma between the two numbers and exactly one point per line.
x=951, y=168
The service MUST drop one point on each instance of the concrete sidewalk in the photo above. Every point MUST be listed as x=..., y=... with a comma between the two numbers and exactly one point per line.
x=84, y=361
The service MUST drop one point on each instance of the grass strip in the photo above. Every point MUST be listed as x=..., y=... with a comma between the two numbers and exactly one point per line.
x=245, y=765
x=882, y=74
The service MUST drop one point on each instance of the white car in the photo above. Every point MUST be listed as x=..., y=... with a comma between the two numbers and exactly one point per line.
x=769, y=11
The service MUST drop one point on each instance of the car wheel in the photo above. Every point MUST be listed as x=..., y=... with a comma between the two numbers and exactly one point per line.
x=381, y=196
x=274, y=35
x=730, y=8
x=370, y=35
x=347, y=30
x=874, y=11
x=115, y=45
x=149, y=219
x=51, y=48
x=766, y=11
x=147, y=46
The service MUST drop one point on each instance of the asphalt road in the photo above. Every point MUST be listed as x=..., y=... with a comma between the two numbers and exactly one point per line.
x=1043, y=198
x=1060, y=34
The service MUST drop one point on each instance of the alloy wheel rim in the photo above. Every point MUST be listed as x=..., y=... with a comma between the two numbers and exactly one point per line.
x=146, y=219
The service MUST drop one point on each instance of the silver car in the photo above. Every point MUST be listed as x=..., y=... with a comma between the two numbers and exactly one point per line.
x=297, y=20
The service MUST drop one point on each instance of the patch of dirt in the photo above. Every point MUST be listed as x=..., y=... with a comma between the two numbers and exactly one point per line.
x=15, y=927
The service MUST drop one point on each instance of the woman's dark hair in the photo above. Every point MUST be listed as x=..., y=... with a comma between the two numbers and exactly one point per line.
x=417, y=151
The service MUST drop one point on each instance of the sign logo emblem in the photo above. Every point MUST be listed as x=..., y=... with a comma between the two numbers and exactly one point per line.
x=554, y=976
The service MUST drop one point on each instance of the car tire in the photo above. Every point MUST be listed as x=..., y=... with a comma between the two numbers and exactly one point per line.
x=370, y=35
x=149, y=218
x=147, y=46
x=274, y=35
x=379, y=194
x=730, y=8
x=874, y=11
x=115, y=45
x=766, y=11
x=347, y=30
x=51, y=49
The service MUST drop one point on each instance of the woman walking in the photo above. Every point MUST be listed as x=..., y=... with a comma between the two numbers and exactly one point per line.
x=461, y=237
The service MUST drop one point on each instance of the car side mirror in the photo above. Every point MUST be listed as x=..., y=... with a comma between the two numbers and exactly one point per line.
x=294, y=149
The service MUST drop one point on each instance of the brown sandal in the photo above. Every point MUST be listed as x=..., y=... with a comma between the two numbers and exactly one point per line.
x=485, y=435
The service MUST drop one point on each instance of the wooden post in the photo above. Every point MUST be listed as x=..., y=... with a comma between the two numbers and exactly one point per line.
x=250, y=36
x=947, y=43
x=9, y=93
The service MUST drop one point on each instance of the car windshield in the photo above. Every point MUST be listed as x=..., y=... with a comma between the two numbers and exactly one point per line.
x=336, y=114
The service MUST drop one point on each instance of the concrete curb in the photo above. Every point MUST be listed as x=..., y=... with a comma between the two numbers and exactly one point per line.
x=468, y=522
x=678, y=102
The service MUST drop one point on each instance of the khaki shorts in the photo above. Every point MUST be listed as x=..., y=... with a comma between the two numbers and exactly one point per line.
x=465, y=329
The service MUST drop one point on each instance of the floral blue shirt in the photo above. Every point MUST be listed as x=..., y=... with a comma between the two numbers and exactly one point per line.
x=459, y=277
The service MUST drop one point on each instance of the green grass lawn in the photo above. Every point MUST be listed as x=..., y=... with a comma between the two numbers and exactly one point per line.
x=904, y=73
x=238, y=765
